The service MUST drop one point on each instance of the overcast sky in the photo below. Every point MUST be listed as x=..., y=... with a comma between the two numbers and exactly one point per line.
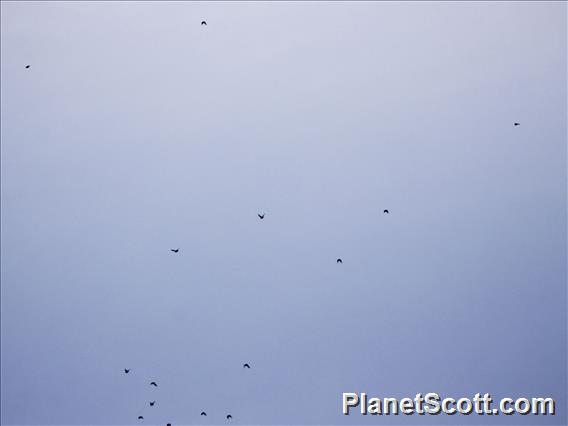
x=137, y=130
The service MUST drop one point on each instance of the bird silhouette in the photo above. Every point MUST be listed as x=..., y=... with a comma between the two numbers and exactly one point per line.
x=229, y=417
x=261, y=216
x=203, y=23
x=174, y=250
x=516, y=124
x=140, y=418
x=339, y=261
x=27, y=66
x=126, y=371
x=246, y=366
x=154, y=384
x=152, y=403
x=169, y=424
x=386, y=211
x=203, y=413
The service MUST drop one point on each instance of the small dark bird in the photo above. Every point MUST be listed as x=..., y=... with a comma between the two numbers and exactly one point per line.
x=169, y=424
x=27, y=66
x=516, y=124
x=153, y=384
x=339, y=261
x=261, y=216
x=140, y=418
x=152, y=403
x=246, y=366
x=174, y=250
x=229, y=417
x=385, y=211
x=203, y=23
x=203, y=413
x=126, y=371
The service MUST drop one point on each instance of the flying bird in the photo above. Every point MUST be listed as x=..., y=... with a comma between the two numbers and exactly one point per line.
x=152, y=403
x=174, y=250
x=385, y=211
x=246, y=366
x=261, y=216
x=339, y=261
x=27, y=66
x=203, y=413
x=153, y=384
x=516, y=124
x=126, y=371
x=229, y=417
x=203, y=23
x=140, y=418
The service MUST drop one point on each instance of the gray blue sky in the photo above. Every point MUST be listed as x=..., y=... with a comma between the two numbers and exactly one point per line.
x=137, y=130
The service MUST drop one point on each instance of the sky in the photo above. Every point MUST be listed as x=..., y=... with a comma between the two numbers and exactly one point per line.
x=137, y=130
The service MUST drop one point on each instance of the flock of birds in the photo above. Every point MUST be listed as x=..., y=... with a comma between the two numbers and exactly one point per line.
x=153, y=383
x=261, y=216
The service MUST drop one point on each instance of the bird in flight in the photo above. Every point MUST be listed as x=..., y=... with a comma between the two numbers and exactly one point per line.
x=339, y=261
x=246, y=366
x=174, y=250
x=126, y=371
x=261, y=216
x=203, y=23
x=203, y=413
x=385, y=211
x=154, y=384
x=140, y=418
x=27, y=66
x=516, y=124
x=152, y=403
x=229, y=417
